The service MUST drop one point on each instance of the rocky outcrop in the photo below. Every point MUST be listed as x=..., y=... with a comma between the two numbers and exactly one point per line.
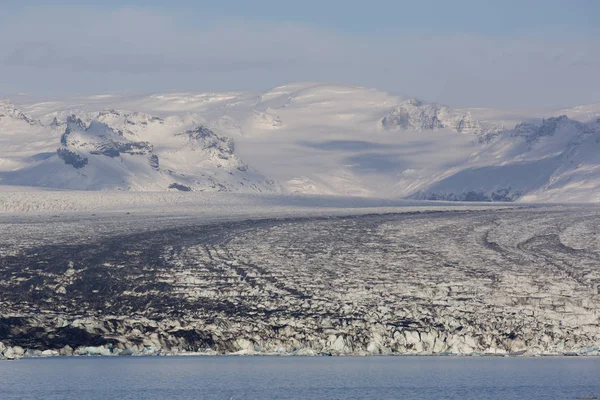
x=71, y=158
x=154, y=162
x=548, y=127
x=131, y=124
x=523, y=163
x=505, y=282
x=180, y=187
x=99, y=139
x=105, y=150
x=220, y=148
x=414, y=115
x=504, y=195
x=10, y=112
x=205, y=139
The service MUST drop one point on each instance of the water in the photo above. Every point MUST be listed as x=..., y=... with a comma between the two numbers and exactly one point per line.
x=154, y=378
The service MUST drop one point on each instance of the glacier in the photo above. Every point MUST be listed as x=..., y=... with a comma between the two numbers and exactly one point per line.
x=470, y=280
x=309, y=219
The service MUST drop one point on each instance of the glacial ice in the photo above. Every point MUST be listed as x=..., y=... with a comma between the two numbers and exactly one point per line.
x=515, y=281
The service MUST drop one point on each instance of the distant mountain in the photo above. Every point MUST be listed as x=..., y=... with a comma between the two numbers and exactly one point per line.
x=302, y=138
x=414, y=115
x=556, y=160
x=11, y=114
x=107, y=152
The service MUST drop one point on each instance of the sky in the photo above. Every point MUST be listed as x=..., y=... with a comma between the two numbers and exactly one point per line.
x=504, y=54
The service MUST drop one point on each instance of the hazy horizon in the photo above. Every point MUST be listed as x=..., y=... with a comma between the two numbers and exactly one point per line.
x=535, y=54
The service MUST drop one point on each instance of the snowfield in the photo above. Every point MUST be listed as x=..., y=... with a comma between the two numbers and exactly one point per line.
x=14, y=201
x=301, y=138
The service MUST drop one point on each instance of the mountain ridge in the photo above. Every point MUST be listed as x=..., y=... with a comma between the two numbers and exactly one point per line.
x=306, y=138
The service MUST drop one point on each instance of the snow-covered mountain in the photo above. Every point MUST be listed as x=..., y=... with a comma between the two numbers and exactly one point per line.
x=301, y=138
x=109, y=149
x=412, y=114
x=555, y=160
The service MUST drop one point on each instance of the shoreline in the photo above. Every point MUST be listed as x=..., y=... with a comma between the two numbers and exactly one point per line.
x=87, y=353
x=508, y=282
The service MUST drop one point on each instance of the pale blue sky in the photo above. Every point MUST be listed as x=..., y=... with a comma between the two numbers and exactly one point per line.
x=428, y=16
x=503, y=53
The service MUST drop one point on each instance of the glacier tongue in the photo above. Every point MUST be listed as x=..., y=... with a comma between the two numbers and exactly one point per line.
x=510, y=281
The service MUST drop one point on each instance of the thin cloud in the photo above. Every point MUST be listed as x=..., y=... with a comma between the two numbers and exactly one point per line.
x=78, y=50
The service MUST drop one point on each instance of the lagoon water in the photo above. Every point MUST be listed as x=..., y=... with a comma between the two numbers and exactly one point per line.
x=158, y=378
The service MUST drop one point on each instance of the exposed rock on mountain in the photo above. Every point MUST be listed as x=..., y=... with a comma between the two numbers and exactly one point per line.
x=533, y=132
x=311, y=138
x=208, y=140
x=99, y=139
x=154, y=162
x=414, y=115
x=505, y=194
x=9, y=112
x=180, y=187
x=531, y=161
x=218, y=146
x=130, y=124
x=72, y=158
x=106, y=153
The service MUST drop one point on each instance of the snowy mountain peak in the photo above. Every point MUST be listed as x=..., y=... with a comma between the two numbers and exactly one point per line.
x=219, y=147
x=99, y=139
x=75, y=123
x=129, y=123
x=8, y=111
x=412, y=102
x=412, y=114
x=55, y=123
x=210, y=140
x=558, y=158
x=97, y=154
x=548, y=127
x=315, y=138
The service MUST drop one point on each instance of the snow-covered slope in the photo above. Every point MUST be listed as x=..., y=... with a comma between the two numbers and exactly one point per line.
x=310, y=138
x=555, y=160
x=109, y=149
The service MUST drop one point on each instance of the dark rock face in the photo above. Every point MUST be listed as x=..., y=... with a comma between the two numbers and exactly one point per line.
x=414, y=115
x=70, y=157
x=23, y=333
x=107, y=151
x=8, y=110
x=109, y=145
x=180, y=187
x=549, y=127
x=460, y=282
x=154, y=162
x=134, y=148
x=74, y=123
x=207, y=139
x=99, y=139
x=503, y=195
x=114, y=149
